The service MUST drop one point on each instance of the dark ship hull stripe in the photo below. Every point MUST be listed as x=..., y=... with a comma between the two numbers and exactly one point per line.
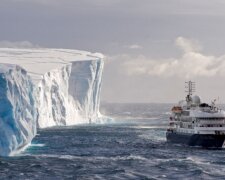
x=204, y=140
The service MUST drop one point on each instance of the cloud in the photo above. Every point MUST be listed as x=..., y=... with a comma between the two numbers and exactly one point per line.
x=17, y=44
x=191, y=64
x=134, y=46
x=188, y=45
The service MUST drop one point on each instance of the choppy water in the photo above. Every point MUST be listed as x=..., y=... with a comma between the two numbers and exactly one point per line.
x=132, y=148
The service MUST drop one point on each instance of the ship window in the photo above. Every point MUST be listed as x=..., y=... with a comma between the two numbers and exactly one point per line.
x=186, y=113
x=204, y=105
x=213, y=118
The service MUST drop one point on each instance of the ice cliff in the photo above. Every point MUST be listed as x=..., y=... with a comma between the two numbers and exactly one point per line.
x=64, y=89
x=18, y=111
x=71, y=94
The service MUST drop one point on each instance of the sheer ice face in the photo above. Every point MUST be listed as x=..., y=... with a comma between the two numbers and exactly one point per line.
x=18, y=111
x=71, y=94
x=67, y=82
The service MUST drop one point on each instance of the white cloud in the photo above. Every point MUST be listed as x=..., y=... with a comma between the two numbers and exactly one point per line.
x=17, y=44
x=188, y=45
x=191, y=64
x=134, y=46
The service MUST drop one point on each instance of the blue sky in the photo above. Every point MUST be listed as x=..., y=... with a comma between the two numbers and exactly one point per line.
x=140, y=38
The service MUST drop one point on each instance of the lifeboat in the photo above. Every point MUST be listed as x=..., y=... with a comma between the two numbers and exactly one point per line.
x=177, y=109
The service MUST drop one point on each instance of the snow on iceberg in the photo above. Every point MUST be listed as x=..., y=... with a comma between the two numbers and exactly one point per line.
x=18, y=112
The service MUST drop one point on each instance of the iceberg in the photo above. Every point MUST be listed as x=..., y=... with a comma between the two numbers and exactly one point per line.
x=44, y=88
x=67, y=84
x=18, y=110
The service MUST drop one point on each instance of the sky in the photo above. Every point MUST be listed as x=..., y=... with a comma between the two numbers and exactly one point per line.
x=151, y=47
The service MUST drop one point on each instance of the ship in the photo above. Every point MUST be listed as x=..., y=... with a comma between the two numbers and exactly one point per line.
x=195, y=123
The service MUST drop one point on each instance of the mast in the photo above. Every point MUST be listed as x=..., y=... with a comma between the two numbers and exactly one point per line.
x=189, y=89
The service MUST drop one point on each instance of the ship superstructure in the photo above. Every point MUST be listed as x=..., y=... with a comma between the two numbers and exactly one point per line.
x=195, y=123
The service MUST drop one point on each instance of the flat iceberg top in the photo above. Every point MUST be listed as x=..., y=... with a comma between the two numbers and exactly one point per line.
x=39, y=61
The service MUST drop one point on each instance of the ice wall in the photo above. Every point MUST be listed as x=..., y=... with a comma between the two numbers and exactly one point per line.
x=18, y=111
x=67, y=83
x=71, y=95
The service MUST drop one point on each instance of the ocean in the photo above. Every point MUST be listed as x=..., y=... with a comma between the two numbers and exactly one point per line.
x=132, y=147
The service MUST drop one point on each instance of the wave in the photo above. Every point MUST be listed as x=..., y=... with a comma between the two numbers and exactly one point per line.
x=37, y=145
x=88, y=158
x=154, y=133
x=197, y=160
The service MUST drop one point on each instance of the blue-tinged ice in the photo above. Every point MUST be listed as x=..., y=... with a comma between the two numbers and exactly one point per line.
x=64, y=89
x=18, y=111
x=70, y=95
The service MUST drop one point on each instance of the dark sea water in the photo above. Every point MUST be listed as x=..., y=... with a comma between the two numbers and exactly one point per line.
x=133, y=147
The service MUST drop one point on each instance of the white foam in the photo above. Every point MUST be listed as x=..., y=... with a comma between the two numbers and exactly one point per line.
x=37, y=145
x=19, y=151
